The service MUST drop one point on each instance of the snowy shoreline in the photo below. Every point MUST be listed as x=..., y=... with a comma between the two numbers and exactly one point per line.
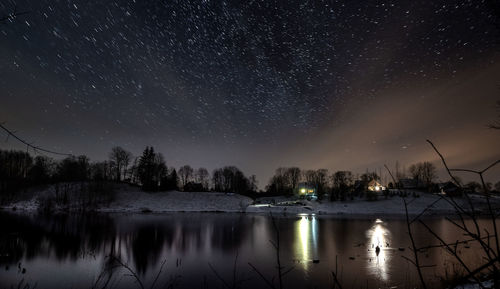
x=129, y=199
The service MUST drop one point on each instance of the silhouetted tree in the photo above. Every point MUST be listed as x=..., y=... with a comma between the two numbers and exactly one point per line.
x=171, y=181
x=146, y=169
x=424, y=173
x=473, y=187
x=321, y=182
x=42, y=170
x=13, y=170
x=218, y=180
x=252, y=181
x=292, y=176
x=230, y=179
x=342, y=182
x=185, y=174
x=121, y=160
x=101, y=171
x=279, y=183
x=73, y=169
x=202, y=177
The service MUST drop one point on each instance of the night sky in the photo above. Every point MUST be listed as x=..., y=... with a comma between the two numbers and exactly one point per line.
x=342, y=85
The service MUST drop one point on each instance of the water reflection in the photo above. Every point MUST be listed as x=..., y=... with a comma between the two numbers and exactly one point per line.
x=71, y=237
x=379, y=251
x=69, y=251
x=306, y=240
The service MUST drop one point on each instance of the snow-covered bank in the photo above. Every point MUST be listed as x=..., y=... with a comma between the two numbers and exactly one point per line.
x=393, y=206
x=134, y=200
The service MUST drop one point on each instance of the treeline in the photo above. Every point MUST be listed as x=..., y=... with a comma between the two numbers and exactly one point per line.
x=19, y=170
x=343, y=185
x=339, y=185
x=152, y=173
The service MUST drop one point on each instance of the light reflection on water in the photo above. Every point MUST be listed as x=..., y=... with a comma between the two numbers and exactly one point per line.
x=378, y=260
x=306, y=240
x=69, y=251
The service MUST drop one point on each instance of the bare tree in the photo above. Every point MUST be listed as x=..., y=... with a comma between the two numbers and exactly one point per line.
x=424, y=173
x=186, y=174
x=121, y=159
x=309, y=176
x=293, y=177
x=217, y=180
x=253, y=183
x=202, y=177
x=341, y=181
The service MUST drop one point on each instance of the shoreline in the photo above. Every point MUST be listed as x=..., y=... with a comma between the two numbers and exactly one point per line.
x=130, y=199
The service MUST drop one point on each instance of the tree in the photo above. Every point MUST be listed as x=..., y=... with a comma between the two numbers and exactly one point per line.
x=185, y=174
x=101, y=171
x=170, y=181
x=160, y=169
x=279, y=182
x=473, y=187
x=309, y=176
x=202, y=177
x=341, y=182
x=72, y=169
x=292, y=176
x=121, y=159
x=253, y=183
x=321, y=182
x=146, y=169
x=230, y=179
x=217, y=180
x=497, y=186
x=41, y=171
x=424, y=173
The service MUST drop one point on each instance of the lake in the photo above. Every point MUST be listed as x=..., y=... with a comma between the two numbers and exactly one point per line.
x=204, y=250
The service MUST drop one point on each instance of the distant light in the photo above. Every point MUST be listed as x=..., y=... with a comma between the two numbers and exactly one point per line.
x=303, y=191
x=377, y=188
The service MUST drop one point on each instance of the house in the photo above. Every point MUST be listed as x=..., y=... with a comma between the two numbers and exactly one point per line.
x=450, y=189
x=307, y=191
x=375, y=186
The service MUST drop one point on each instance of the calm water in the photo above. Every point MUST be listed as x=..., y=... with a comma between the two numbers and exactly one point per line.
x=71, y=251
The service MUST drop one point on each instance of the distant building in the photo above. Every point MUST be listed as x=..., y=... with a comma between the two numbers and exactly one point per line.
x=307, y=191
x=449, y=189
x=375, y=186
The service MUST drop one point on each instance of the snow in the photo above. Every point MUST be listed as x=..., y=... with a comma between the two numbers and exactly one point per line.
x=132, y=199
x=135, y=200
x=390, y=206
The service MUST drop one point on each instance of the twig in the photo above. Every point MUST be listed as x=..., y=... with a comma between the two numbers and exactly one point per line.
x=453, y=252
x=158, y=275
x=414, y=247
x=35, y=148
x=132, y=273
x=269, y=283
x=218, y=276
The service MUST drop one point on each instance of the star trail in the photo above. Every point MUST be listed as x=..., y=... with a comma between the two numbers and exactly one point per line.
x=342, y=85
